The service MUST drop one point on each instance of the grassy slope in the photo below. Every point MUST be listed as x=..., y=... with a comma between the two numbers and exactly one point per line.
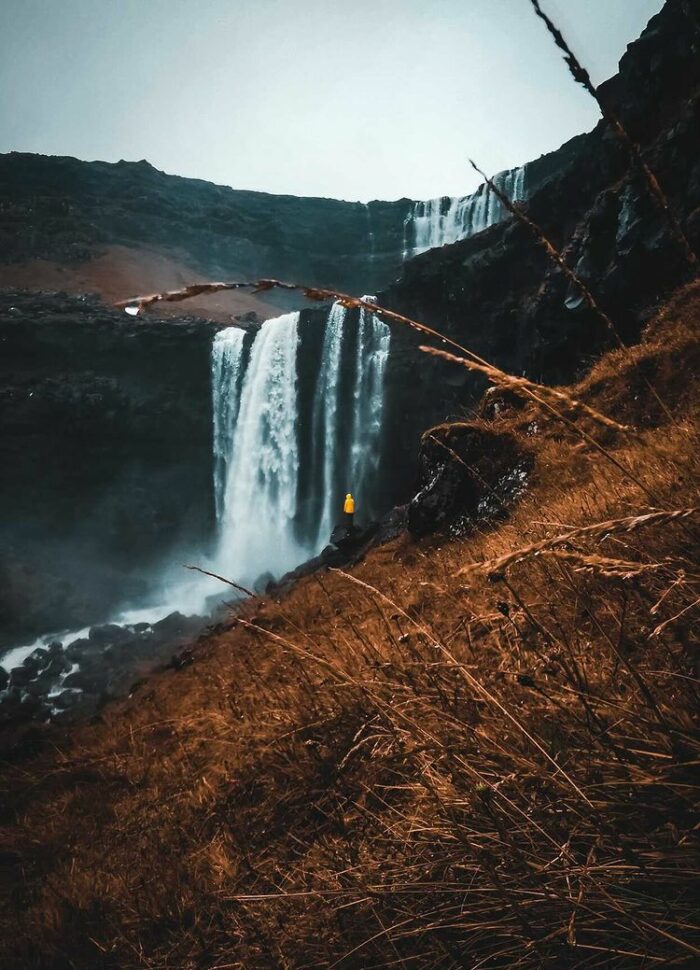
x=444, y=769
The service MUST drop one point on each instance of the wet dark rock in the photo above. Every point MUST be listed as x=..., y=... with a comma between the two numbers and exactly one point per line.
x=4, y=678
x=10, y=704
x=176, y=625
x=391, y=525
x=32, y=706
x=106, y=663
x=344, y=537
x=466, y=474
x=263, y=582
x=20, y=676
x=37, y=659
x=249, y=319
x=84, y=707
x=68, y=698
x=79, y=649
x=90, y=681
x=42, y=685
x=57, y=665
x=109, y=634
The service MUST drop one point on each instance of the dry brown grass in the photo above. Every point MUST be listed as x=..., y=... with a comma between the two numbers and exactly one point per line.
x=409, y=765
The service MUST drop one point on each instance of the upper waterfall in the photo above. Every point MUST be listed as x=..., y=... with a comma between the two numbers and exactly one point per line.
x=439, y=222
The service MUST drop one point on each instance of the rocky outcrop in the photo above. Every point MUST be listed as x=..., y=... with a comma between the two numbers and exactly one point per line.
x=72, y=681
x=467, y=474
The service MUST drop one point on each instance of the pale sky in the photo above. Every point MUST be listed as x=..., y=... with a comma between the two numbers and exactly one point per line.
x=354, y=99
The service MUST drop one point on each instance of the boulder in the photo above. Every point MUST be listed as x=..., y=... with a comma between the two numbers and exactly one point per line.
x=176, y=625
x=20, y=676
x=90, y=681
x=78, y=649
x=10, y=705
x=109, y=633
x=263, y=582
x=37, y=659
x=466, y=474
x=67, y=698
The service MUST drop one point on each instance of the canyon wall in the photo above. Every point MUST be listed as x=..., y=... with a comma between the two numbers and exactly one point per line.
x=105, y=453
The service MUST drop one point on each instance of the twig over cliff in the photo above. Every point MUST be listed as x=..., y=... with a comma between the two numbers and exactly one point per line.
x=524, y=388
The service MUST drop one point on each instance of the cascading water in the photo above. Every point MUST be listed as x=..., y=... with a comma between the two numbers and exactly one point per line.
x=256, y=526
x=258, y=406
x=372, y=353
x=348, y=460
x=226, y=378
x=439, y=222
x=325, y=414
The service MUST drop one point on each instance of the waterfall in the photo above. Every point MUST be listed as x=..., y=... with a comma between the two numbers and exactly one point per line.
x=372, y=353
x=260, y=497
x=260, y=420
x=325, y=414
x=439, y=222
x=226, y=374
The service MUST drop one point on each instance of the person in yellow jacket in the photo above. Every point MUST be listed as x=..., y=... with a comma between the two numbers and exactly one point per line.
x=349, y=510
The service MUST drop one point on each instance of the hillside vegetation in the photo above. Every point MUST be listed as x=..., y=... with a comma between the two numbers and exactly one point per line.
x=473, y=751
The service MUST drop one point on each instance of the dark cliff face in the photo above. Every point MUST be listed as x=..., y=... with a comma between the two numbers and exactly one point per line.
x=105, y=453
x=65, y=209
x=498, y=294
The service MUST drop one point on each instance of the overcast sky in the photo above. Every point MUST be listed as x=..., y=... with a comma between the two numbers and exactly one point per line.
x=356, y=99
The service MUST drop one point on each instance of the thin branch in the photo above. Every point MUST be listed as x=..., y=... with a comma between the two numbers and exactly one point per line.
x=229, y=582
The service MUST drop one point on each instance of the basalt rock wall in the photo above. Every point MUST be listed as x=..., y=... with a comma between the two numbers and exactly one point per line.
x=105, y=453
